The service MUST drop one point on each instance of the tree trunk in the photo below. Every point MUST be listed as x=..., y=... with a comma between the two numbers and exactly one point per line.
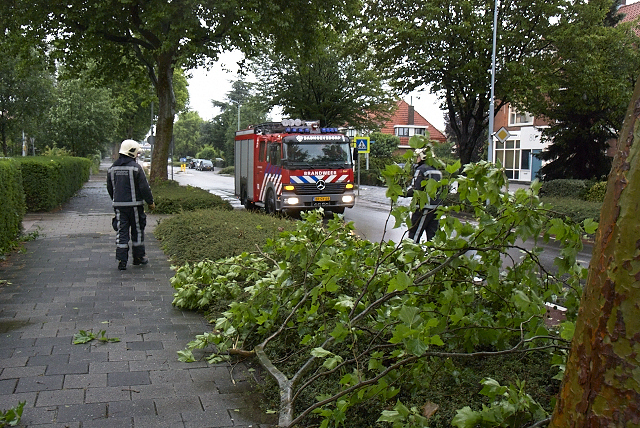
x=601, y=386
x=166, y=112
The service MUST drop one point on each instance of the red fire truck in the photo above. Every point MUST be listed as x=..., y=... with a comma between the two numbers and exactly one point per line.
x=293, y=165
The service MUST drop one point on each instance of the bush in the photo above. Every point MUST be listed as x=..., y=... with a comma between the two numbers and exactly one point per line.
x=191, y=237
x=13, y=205
x=564, y=188
x=171, y=198
x=596, y=192
x=575, y=209
x=229, y=170
x=48, y=182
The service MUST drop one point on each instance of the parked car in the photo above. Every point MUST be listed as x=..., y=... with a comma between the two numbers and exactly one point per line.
x=204, y=165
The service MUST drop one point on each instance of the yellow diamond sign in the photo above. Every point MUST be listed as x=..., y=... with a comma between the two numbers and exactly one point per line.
x=502, y=134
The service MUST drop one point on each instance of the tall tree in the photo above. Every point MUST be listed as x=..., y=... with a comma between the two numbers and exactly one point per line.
x=325, y=83
x=447, y=45
x=26, y=86
x=83, y=119
x=163, y=35
x=220, y=132
x=589, y=77
x=601, y=385
x=187, y=134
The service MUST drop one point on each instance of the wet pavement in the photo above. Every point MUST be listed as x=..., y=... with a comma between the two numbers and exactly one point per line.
x=66, y=280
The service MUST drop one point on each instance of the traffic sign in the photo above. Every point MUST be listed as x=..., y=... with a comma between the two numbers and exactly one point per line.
x=362, y=144
x=502, y=134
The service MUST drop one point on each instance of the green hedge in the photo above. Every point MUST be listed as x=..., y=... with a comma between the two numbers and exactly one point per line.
x=564, y=188
x=50, y=181
x=171, y=198
x=194, y=236
x=13, y=206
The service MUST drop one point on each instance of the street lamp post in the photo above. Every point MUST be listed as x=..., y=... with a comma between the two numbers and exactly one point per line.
x=493, y=82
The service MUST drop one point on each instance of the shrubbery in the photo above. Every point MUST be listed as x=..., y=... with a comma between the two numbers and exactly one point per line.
x=13, y=206
x=575, y=199
x=50, y=181
x=171, y=198
x=213, y=234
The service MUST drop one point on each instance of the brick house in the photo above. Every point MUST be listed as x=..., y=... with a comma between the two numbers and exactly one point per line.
x=516, y=152
x=406, y=122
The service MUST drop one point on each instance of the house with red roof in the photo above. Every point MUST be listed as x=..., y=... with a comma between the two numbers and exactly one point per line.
x=407, y=122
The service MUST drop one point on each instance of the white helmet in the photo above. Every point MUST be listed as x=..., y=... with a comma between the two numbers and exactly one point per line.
x=130, y=148
x=421, y=153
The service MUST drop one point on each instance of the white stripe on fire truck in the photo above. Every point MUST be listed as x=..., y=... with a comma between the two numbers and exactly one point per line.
x=304, y=179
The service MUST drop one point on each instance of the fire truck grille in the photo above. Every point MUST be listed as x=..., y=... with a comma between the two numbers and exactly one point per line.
x=311, y=189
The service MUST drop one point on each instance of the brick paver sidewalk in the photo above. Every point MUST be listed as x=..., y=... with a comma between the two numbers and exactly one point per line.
x=67, y=281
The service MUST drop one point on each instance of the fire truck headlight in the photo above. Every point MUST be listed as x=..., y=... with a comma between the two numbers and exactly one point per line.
x=289, y=187
x=347, y=199
x=292, y=201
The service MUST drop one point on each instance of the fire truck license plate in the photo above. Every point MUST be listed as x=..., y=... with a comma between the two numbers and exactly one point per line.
x=321, y=199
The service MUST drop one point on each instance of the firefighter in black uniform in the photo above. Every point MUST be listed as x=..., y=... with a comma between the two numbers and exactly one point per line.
x=128, y=188
x=424, y=219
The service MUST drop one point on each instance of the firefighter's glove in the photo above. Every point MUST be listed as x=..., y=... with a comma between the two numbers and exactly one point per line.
x=152, y=206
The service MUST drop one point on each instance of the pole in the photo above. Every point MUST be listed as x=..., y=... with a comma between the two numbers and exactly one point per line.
x=238, y=115
x=493, y=82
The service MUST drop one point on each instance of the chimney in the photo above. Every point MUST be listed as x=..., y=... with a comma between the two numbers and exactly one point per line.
x=410, y=116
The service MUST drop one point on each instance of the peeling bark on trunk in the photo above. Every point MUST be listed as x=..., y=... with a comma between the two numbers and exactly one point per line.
x=601, y=387
x=166, y=112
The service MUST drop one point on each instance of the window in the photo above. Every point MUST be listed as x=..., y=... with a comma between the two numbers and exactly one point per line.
x=262, y=151
x=519, y=118
x=402, y=132
x=512, y=158
x=420, y=131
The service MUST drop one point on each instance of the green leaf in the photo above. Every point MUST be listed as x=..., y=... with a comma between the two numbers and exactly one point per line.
x=567, y=329
x=320, y=352
x=410, y=315
x=590, y=226
x=466, y=418
x=400, y=282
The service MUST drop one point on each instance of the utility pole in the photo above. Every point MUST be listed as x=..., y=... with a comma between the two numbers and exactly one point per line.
x=493, y=81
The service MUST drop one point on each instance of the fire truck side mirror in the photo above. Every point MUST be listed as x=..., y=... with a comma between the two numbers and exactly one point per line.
x=355, y=154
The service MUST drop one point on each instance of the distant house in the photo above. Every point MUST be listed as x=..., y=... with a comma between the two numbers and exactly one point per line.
x=406, y=122
x=516, y=153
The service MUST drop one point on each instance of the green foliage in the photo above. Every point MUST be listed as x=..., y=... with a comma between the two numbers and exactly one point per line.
x=341, y=323
x=383, y=145
x=209, y=152
x=446, y=46
x=577, y=210
x=186, y=134
x=564, y=188
x=83, y=118
x=50, y=181
x=511, y=407
x=229, y=170
x=327, y=83
x=13, y=205
x=11, y=417
x=596, y=192
x=191, y=237
x=86, y=336
x=171, y=198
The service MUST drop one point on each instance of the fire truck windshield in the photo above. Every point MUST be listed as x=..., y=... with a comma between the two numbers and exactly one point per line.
x=317, y=155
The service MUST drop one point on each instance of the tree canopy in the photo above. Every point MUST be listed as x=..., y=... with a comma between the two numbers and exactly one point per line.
x=583, y=91
x=447, y=45
x=325, y=83
x=163, y=36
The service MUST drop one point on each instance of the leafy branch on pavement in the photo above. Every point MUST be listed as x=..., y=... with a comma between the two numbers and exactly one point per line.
x=12, y=416
x=344, y=324
x=84, y=336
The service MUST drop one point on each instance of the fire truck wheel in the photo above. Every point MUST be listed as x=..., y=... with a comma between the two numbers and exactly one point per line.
x=270, y=202
x=245, y=200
